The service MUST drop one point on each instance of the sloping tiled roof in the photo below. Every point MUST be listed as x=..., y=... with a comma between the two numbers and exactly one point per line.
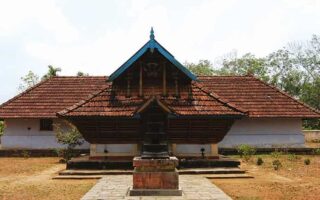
x=45, y=99
x=103, y=103
x=259, y=98
x=230, y=94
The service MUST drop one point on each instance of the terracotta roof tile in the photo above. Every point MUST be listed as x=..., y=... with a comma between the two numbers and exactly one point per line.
x=212, y=95
x=104, y=104
x=50, y=96
x=259, y=98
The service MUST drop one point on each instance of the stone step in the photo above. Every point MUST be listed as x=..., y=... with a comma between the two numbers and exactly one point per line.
x=90, y=176
x=212, y=171
x=95, y=172
x=77, y=177
x=181, y=171
x=227, y=176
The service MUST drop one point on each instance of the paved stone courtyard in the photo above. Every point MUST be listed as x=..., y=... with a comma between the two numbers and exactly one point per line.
x=195, y=187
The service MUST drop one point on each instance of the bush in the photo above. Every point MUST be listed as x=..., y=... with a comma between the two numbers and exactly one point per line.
x=1, y=127
x=292, y=157
x=69, y=136
x=316, y=151
x=276, y=154
x=259, y=161
x=246, y=151
x=63, y=154
x=26, y=154
x=276, y=164
x=307, y=161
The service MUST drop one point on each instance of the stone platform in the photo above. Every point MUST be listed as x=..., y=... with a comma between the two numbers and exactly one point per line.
x=117, y=187
x=155, y=177
x=126, y=163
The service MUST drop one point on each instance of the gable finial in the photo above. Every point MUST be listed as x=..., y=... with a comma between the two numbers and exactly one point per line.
x=151, y=34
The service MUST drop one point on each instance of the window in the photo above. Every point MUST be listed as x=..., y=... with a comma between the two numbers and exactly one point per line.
x=46, y=125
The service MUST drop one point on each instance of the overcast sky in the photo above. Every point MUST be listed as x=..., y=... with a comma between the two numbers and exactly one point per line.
x=97, y=36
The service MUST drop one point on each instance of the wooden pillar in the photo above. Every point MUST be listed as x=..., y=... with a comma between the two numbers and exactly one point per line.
x=164, y=80
x=140, y=81
x=189, y=92
x=129, y=77
x=174, y=149
x=135, y=150
x=214, y=149
x=175, y=77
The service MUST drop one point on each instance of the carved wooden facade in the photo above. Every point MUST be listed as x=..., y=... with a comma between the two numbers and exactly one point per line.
x=151, y=85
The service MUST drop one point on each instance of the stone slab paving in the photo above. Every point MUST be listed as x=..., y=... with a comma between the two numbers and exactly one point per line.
x=194, y=187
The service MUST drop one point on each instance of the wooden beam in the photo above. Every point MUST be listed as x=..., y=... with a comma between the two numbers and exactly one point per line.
x=176, y=86
x=140, y=80
x=129, y=77
x=164, y=79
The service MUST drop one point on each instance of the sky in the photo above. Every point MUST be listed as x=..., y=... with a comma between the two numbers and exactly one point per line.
x=97, y=36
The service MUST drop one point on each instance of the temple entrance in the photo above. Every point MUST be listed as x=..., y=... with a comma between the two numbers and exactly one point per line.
x=154, y=123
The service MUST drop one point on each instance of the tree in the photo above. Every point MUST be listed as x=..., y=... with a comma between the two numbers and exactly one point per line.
x=248, y=64
x=294, y=68
x=52, y=71
x=1, y=128
x=80, y=73
x=68, y=135
x=203, y=67
x=28, y=81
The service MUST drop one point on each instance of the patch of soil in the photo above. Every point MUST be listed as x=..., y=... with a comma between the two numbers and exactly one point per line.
x=294, y=180
x=31, y=178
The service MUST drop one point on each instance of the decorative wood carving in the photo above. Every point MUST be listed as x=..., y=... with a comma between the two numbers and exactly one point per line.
x=164, y=79
x=140, y=80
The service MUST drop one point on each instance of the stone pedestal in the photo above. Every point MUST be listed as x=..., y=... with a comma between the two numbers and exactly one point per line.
x=155, y=177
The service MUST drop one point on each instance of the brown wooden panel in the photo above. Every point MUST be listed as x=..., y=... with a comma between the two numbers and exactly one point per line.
x=108, y=131
x=198, y=130
x=129, y=130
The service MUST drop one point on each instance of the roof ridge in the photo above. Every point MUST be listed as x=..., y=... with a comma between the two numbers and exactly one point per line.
x=287, y=95
x=224, y=75
x=82, y=102
x=151, y=44
x=221, y=100
x=95, y=76
x=25, y=92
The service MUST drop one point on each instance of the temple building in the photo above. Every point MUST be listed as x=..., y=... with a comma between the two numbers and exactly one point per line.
x=152, y=99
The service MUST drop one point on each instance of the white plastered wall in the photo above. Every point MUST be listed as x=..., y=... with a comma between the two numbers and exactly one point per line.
x=26, y=134
x=260, y=132
x=114, y=150
x=265, y=132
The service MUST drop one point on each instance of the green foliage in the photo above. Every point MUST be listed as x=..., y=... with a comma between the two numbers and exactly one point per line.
x=316, y=151
x=26, y=154
x=80, y=73
x=246, y=151
x=276, y=154
x=68, y=135
x=28, y=81
x=307, y=161
x=65, y=154
x=203, y=67
x=295, y=69
x=246, y=65
x=276, y=164
x=1, y=128
x=52, y=71
x=259, y=161
x=292, y=157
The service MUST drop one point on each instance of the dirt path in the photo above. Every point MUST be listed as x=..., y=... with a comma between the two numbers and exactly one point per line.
x=43, y=175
